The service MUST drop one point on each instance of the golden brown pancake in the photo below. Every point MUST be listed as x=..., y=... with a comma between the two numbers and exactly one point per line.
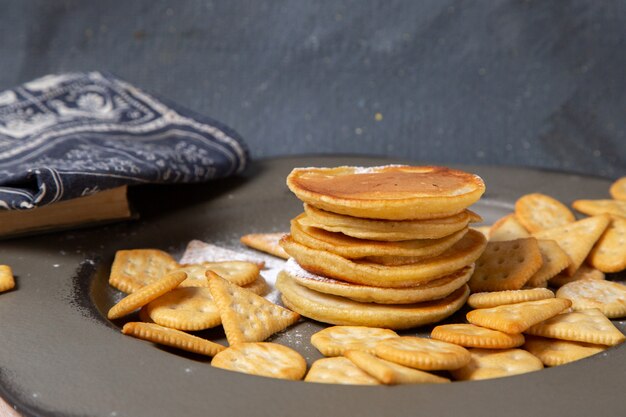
x=387, y=230
x=393, y=192
x=353, y=248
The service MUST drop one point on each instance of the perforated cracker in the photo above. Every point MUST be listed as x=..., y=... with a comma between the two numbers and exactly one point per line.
x=136, y=268
x=516, y=318
x=554, y=260
x=541, y=212
x=170, y=337
x=577, y=238
x=391, y=373
x=146, y=294
x=421, y=353
x=338, y=370
x=607, y=296
x=584, y=272
x=590, y=326
x=559, y=352
x=263, y=359
x=7, y=281
x=507, y=228
x=469, y=335
x=609, y=253
x=497, y=298
x=237, y=272
x=185, y=308
x=265, y=242
x=487, y=364
x=247, y=317
x=506, y=265
x=335, y=340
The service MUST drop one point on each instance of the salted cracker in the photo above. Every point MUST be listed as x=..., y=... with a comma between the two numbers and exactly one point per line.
x=584, y=272
x=497, y=363
x=497, y=298
x=136, y=268
x=554, y=260
x=609, y=253
x=247, y=317
x=607, y=296
x=338, y=370
x=146, y=294
x=170, y=337
x=506, y=265
x=618, y=189
x=559, y=352
x=516, y=318
x=469, y=335
x=263, y=359
x=577, y=238
x=421, y=353
x=7, y=281
x=597, y=207
x=335, y=340
x=238, y=272
x=541, y=212
x=590, y=326
x=507, y=228
x=389, y=372
x=185, y=308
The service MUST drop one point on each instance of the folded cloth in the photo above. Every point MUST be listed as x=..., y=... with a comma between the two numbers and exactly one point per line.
x=69, y=135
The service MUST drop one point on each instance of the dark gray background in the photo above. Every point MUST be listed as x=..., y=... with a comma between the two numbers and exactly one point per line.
x=533, y=83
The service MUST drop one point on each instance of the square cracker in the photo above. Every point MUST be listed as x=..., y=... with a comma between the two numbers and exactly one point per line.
x=247, y=317
x=577, y=238
x=133, y=269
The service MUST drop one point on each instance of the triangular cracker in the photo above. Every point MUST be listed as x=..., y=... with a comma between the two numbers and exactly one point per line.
x=516, y=318
x=590, y=326
x=507, y=228
x=247, y=317
x=577, y=238
x=554, y=261
x=609, y=253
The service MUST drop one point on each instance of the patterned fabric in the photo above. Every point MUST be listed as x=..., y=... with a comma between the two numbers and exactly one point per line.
x=70, y=135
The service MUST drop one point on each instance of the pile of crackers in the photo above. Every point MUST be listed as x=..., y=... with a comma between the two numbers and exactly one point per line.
x=382, y=246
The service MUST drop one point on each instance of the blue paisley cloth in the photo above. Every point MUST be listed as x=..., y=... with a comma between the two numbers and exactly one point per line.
x=70, y=135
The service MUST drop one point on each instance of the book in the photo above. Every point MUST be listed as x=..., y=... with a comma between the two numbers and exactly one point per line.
x=101, y=207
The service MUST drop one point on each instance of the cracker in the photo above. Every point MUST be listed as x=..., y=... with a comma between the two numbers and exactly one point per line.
x=170, y=337
x=487, y=364
x=541, y=212
x=247, y=317
x=596, y=207
x=7, y=281
x=238, y=272
x=577, y=238
x=258, y=286
x=506, y=265
x=190, y=308
x=335, y=340
x=507, y=228
x=554, y=260
x=516, y=318
x=136, y=268
x=265, y=242
x=590, y=326
x=618, y=189
x=338, y=370
x=559, y=352
x=493, y=299
x=609, y=253
x=146, y=294
x=469, y=335
x=421, y=353
x=263, y=359
x=391, y=373
x=584, y=272
x=607, y=296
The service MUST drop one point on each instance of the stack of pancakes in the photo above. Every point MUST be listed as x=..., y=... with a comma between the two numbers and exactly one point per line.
x=383, y=246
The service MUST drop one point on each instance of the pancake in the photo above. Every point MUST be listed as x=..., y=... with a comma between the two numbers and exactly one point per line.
x=432, y=290
x=393, y=192
x=353, y=248
x=320, y=262
x=387, y=230
x=342, y=311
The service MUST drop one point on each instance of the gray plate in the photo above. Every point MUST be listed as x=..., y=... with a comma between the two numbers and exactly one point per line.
x=60, y=356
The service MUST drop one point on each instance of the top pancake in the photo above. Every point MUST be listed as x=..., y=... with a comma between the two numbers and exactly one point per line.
x=394, y=192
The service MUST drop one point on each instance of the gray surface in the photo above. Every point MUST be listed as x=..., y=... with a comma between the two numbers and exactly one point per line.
x=60, y=356
x=506, y=82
